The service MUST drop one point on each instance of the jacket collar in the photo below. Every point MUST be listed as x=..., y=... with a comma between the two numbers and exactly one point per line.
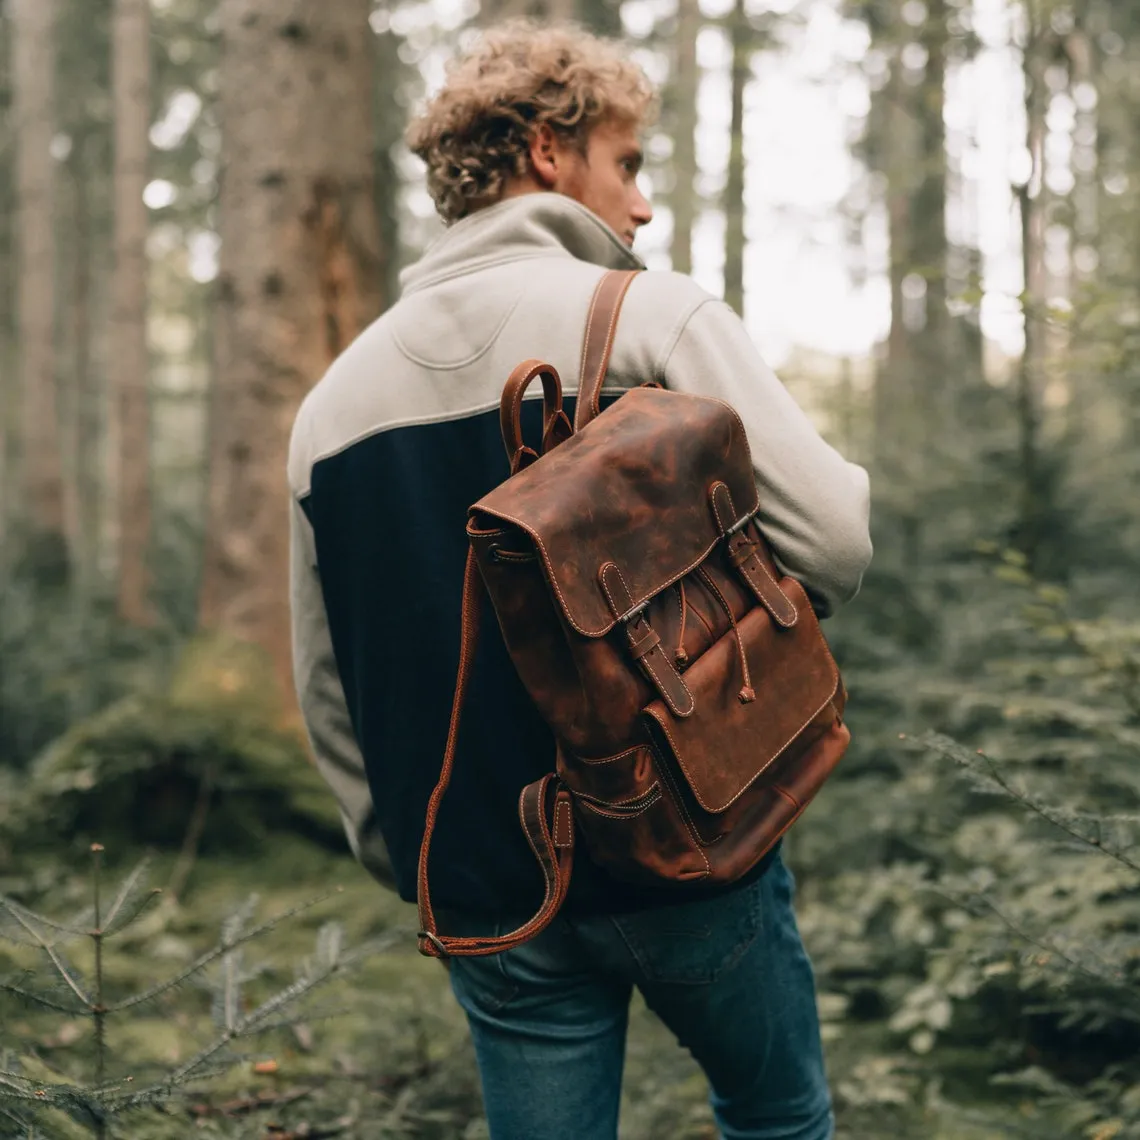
x=531, y=225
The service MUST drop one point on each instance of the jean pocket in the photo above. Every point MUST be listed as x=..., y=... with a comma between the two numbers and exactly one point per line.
x=482, y=983
x=693, y=943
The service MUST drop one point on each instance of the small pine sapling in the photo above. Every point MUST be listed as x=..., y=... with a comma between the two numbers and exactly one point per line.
x=100, y=1102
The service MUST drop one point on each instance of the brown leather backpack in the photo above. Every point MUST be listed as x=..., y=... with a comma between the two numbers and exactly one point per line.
x=696, y=706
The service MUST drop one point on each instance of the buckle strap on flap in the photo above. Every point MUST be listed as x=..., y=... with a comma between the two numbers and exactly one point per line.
x=644, y=643
x=744, y=556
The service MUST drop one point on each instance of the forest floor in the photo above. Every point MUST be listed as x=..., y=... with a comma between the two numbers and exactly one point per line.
x=386, y=1053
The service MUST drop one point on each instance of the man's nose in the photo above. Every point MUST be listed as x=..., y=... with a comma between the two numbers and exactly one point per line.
x=641, y=211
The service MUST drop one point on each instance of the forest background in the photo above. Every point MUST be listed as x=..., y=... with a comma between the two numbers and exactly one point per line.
x=928, y=213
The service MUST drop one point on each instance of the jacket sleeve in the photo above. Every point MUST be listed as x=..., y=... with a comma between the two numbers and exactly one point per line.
x=323, y=705
x=814, y=505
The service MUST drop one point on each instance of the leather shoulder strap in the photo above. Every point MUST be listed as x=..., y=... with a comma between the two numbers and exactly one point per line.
x=551, y=841
x=598, y=343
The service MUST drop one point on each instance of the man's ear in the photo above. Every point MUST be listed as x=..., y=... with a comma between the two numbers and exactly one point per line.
x=545, y=156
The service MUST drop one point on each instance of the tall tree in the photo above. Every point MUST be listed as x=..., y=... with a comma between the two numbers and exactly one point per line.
x=299, y=278
x=1033, y=202
x=33, y=36
x=682, y=96
x=8, y=392
x=129, y=365
x=391, y=74
x=741, y=41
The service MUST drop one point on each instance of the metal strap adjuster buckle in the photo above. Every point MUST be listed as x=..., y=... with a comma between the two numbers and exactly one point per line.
x=435, y=942
x=738, y=525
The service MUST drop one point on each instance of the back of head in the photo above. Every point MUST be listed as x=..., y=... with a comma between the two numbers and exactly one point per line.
x=474, y=133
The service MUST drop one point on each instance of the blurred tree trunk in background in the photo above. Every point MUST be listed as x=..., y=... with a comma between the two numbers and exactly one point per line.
x=42, y=496
x=603, y=17
x=1033, y=202
x=741, y=42
x=83, y=128
x=9, y=401
x=129, y=363
x=935, y=379
x=682, y=95
x=299, y=278
x=390, y=120
x=549, y=11
x=912, y=153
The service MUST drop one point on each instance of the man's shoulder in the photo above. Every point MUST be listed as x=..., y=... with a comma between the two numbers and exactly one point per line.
x=330, y=401
x=658, y=306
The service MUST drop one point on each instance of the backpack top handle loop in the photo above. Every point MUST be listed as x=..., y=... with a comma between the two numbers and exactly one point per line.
x=555, y=425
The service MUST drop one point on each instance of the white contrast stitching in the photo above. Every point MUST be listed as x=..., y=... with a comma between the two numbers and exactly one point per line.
x=597, y=809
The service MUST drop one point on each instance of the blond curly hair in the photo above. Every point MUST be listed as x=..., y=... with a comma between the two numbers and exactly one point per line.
x=474, y=133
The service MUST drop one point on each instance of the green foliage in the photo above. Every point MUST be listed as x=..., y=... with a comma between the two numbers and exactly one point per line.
x=990, y=921
x=110, y=1090
x=206, y=741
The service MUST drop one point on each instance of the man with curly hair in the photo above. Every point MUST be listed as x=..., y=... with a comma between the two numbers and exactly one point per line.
x=532, y=152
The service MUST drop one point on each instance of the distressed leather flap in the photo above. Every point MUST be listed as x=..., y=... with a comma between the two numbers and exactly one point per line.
x=726, y=744
x=631, y=488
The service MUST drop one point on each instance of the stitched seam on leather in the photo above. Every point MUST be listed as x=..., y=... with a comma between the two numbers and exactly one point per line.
x=752, y=555
x=652, y=593
x=785, y=622
x=646, y=659
x=686, y=818
x=606, y=759
x=764, y=571
x=716, y=508
x=597, y=801
x=563, y=820
x=706, y=623
x=622, y=816
x=586, y=343
x=608, y=346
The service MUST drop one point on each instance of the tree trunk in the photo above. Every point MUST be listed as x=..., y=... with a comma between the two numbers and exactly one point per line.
x=391, y=72
x=930, y=248
x=129, y=363
x=81, y=429
x=299, y=278
x=1032, y=201
x=683, y=96
x=33, y=112
x=9, y=398
x=740, y=36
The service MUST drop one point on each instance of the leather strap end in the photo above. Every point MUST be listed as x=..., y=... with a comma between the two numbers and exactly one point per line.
x=742, y=554
x=644, y=643
x=563, y=829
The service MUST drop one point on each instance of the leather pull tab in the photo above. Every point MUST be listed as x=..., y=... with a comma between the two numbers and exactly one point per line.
x=644, y=644
x=743, y=554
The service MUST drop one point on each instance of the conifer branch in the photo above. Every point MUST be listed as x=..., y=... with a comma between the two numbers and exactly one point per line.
x=1102, y=972
x=981, y=765
x=203, y=960
x=77, y=928
x=43, y=1000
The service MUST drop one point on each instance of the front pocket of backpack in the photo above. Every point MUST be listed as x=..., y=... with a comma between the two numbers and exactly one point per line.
x=644, y=841
x=628, y=822
x=727, y=742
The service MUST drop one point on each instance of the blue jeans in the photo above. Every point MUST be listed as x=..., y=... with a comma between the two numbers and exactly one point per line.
x=728, y=976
